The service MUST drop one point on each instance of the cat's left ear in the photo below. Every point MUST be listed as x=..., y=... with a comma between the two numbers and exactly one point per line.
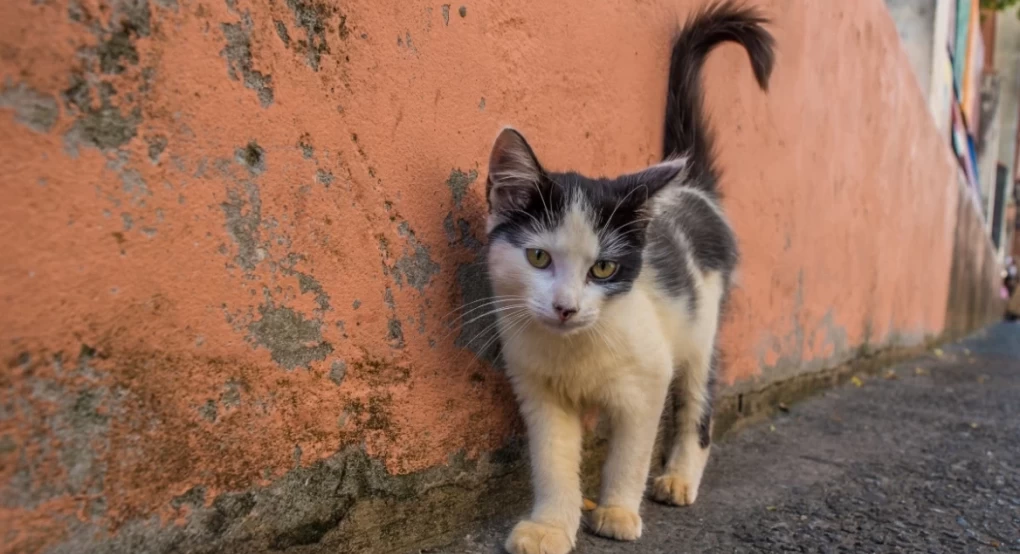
x=639, y=189
x=647, y=183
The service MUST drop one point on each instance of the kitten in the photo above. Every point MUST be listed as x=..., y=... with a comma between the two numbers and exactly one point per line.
x=606, y=291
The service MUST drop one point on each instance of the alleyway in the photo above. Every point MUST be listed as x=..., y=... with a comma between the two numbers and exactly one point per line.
x=926, y=460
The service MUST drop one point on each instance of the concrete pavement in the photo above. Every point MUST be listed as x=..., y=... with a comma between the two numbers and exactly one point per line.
x=925, y=458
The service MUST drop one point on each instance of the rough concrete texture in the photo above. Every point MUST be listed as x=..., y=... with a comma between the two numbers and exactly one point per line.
x=919, y=459
x=236, y=235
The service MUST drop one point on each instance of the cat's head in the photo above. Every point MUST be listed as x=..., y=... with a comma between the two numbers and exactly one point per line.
x=562, y=245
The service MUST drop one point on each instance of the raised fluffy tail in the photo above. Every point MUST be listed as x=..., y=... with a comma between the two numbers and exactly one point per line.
x=687, y=132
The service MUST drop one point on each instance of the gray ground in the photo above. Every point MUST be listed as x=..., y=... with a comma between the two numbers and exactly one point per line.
x=928, y=461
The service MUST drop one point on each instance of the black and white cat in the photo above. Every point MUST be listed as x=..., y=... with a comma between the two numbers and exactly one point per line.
x=607, y=291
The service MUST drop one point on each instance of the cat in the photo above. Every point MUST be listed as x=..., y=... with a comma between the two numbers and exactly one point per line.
x=608, y=292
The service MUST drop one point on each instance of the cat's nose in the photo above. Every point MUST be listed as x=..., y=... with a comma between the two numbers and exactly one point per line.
x=564, y=312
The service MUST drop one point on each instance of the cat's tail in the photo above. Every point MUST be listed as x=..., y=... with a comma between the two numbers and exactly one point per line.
x=687, y=132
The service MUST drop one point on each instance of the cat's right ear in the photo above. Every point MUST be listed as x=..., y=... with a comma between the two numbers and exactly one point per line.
x=514, y=175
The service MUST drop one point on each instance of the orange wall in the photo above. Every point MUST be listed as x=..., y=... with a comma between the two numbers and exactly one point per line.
x=236, y=253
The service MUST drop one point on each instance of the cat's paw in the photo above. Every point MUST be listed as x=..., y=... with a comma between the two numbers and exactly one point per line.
x=675, y=489
x=615, y=522
x=532, y=537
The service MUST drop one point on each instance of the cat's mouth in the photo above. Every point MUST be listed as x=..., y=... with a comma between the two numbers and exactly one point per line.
x=563, y=327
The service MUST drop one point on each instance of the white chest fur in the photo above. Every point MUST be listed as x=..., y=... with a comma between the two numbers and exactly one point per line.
x=628, y=349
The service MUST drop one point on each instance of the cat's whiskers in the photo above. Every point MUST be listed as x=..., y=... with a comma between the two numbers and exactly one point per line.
x=516, y=320
x=484, y=332
x=516, y=326
x=486, y=299
x=483, y=316
x=485, y=303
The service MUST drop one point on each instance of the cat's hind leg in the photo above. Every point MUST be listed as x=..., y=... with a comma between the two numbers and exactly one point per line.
x=692, y=437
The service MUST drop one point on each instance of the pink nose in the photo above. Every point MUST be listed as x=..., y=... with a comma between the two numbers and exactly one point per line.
x=564, y=313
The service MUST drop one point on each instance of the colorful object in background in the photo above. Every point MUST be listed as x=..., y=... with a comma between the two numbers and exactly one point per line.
x=965, y=49
x=974, y=64
x=959, y=43
x=942, y=95
x=972, y=166
x=959, y=135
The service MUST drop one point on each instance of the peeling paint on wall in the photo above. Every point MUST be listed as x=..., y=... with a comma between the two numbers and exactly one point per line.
x=240, y=64
x=459, y=183
x=416, y=267
x=293, y=340
x=33, y=109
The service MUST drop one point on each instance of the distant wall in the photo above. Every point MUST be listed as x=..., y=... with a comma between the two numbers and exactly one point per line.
x=916, y=25
x=975, y=278
x=234, y=233
x=1007, y=63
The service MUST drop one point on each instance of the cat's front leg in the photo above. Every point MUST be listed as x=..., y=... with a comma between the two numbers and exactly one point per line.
x=635, y=422
x=554, y=442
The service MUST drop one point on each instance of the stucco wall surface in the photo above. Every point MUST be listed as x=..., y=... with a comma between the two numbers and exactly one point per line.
x=235, y=236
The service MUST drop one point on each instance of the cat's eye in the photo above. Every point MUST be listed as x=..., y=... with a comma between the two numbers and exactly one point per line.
x=603, y=269
x=538, y=258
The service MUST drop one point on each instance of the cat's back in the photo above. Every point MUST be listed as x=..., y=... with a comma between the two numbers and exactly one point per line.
x=689, y=238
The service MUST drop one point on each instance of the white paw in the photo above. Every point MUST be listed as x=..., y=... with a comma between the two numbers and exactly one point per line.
x=674, y=489
x=615, y=523
x=531, y=537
